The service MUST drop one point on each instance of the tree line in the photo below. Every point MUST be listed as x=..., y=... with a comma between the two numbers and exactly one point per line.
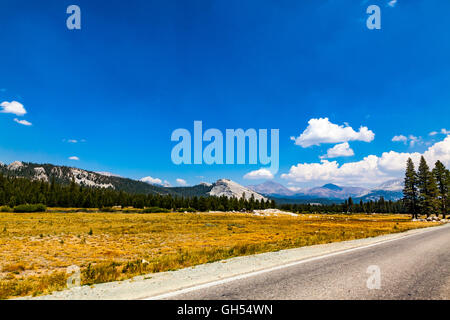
x=426, y=191
x=16, y=191
x=349, y=206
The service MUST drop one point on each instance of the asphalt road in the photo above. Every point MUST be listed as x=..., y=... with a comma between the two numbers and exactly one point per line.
x=415, y=267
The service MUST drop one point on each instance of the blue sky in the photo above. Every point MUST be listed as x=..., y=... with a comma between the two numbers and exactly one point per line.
x=137, y=70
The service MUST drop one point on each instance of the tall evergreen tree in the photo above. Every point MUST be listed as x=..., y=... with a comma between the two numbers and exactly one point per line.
x=447, y=179
x=410, y=192
x=428, y=190
x=441, y=174
x=350, y=204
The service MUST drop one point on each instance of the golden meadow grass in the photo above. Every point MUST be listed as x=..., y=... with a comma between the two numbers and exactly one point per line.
x=36, y=249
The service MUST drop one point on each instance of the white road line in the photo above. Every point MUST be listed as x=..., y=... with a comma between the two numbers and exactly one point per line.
x=255, y=273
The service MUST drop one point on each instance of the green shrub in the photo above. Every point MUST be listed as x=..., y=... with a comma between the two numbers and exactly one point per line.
x=155, y=210
x=5, y=209
x=186, y=210
x=107, y=209
x=100, y=273
x=30, y=208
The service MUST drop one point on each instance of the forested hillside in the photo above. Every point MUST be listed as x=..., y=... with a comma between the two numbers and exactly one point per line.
x=65, y=175
x=16, y=191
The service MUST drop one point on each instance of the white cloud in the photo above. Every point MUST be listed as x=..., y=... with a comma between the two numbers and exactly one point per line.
x=181, y=182
x=339, y=150
x=74, y=141
x=443, y=131
x=392, y=3
x=371, y=170
x=413, y=140
x=23, y=122
x=259, y=174
x=151, y=180
x=439, y=151
x=74, y=158
x=155, y=181
x=361, y=172
x=13, y=107
x=400, y=138
x=323, y=131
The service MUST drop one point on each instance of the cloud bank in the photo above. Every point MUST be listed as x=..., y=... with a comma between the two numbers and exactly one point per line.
x=371, y=170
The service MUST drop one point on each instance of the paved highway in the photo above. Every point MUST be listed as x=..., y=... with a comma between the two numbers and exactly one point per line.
x=413, y=267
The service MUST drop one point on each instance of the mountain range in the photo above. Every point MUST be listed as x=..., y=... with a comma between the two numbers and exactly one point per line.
x=390, y=190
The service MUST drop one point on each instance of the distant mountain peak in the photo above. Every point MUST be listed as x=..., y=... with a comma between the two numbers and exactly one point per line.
x=391, y=185
x=331, y=186
x=271, y=188
x=271, y=183
x=230, y=189
x=16, y=165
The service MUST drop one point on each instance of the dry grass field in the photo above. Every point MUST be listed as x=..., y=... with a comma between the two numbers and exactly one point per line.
x=36, y=249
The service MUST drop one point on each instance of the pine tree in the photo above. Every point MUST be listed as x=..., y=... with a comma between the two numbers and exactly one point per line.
x=350, y=204
x=447, y=182
x=345, y=206
x=441, y=176
x=428, y=190
x=410, y=192
x=202, y=205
